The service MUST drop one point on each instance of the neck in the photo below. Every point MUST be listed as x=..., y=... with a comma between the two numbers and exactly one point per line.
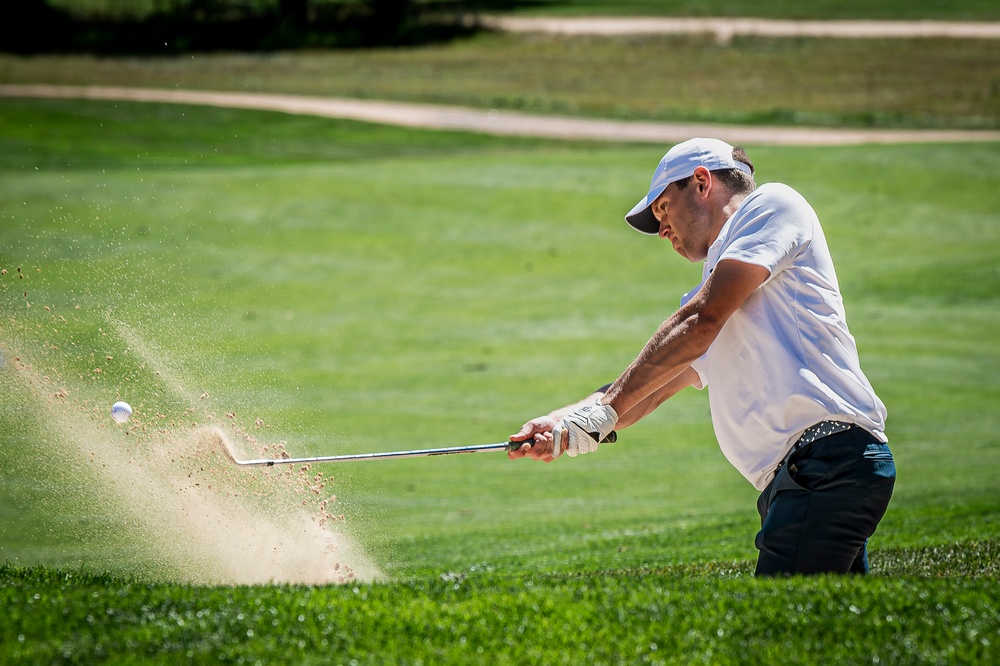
x=721, y=213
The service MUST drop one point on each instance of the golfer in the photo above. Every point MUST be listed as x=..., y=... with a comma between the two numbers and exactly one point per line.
x=766, y=334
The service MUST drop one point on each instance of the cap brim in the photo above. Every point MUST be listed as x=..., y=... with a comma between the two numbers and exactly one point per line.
x=641, y=218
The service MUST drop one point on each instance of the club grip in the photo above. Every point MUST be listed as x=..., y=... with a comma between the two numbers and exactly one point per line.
x=610, y=439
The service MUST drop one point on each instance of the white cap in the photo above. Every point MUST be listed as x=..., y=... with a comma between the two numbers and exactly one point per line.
x=679, y=163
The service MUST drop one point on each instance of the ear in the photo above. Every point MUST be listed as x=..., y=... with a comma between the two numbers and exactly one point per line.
x=703, y=181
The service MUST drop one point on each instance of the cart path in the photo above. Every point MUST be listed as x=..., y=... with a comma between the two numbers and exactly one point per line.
x=504, y=123
x=724, y=28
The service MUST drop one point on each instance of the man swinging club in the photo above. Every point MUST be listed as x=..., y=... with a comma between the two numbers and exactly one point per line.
x=767, y=334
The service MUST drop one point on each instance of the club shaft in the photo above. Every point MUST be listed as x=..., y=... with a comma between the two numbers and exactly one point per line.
x=416, y=453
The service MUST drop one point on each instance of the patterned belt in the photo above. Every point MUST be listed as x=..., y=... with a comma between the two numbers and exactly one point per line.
x=819, y=431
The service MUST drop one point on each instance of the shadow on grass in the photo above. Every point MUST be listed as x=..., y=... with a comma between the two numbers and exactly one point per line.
x=231, y=25
x=973, y=559
x=967, y=559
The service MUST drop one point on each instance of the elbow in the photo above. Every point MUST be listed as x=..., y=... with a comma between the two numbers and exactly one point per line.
x=704, y=329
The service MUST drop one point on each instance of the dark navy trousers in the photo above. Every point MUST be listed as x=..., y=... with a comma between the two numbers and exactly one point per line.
x=823, y=504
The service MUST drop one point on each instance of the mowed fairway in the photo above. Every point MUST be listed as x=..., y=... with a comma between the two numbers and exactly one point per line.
x=348, y=288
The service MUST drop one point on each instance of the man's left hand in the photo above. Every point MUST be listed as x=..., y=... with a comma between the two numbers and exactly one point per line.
x=584, y=428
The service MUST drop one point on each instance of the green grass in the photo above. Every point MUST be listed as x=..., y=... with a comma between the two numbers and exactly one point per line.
x=907, y=83
x=362, y=288
x=664, y=617
x=897, y=10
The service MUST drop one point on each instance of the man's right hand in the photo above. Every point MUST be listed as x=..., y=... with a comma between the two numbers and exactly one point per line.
x=537, y=437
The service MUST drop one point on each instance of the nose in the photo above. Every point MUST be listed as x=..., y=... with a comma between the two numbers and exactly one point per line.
x=659, y=220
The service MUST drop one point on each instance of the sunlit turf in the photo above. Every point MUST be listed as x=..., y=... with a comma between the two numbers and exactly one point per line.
x=900, y=83
x=779, y=9
x=363, y=288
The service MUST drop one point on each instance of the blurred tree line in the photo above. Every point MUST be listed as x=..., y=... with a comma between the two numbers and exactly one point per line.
x=174, y=26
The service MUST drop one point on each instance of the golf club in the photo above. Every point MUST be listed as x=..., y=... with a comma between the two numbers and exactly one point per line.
x=416, y=453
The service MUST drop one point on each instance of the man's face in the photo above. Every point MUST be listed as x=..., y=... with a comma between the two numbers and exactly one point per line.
x=683, y=221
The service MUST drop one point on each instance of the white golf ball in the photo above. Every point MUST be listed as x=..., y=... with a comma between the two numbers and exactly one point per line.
x=121, y=411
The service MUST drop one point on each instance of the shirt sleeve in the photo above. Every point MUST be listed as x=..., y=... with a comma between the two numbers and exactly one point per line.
x=771, y=230
x=699, y=367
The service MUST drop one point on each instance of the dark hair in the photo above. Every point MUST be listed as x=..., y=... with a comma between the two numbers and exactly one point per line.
x=738, y=182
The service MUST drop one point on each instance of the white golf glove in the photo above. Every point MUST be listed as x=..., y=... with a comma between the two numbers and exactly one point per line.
x=586, y=427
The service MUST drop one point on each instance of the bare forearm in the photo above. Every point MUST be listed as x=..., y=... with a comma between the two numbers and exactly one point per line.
x=687, y=377
x=563, y=411
x=687, y=335
x=661, y=369
x=680, y=341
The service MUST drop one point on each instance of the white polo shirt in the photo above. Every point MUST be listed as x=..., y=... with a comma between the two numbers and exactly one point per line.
x=785, y=360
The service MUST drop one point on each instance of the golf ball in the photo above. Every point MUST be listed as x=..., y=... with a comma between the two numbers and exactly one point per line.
x=121, y=411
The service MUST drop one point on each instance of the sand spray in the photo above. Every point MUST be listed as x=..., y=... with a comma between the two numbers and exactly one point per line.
x=177, y=508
